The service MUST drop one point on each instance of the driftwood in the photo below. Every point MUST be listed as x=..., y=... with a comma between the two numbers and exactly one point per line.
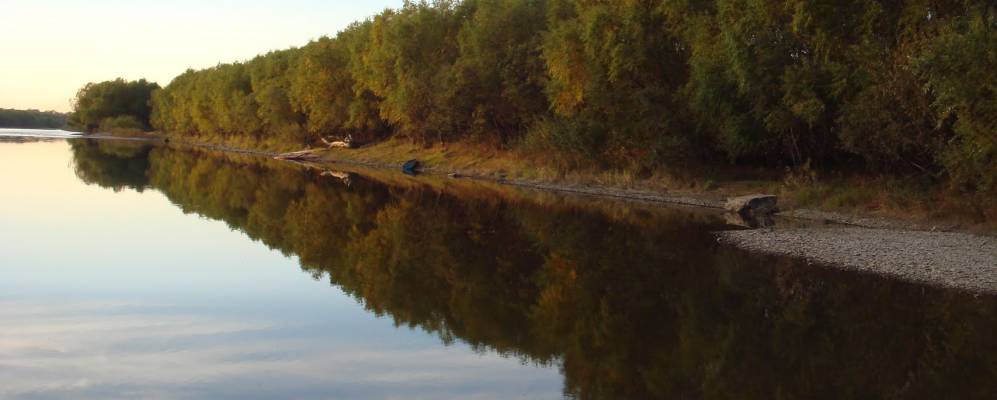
x=337, y=143
x=346, y=177
x=752, y=211
x=303, y=155
x=346, y=143
x=336, y=174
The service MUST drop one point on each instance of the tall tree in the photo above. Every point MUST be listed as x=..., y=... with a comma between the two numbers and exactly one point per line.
x=97, y=102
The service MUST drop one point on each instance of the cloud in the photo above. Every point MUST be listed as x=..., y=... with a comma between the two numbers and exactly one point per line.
x=100, y=350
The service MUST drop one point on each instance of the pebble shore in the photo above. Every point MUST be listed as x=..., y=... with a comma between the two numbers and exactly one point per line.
x=954, y=260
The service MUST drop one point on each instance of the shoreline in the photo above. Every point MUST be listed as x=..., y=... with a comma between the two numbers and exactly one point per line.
x=684, y=198
x=951, y=260
x=895, y=249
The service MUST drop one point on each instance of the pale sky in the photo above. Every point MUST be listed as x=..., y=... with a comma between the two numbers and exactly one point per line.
x=50, y=48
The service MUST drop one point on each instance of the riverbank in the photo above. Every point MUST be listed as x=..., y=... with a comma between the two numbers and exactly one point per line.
x=908, y=249
x=872, y=202
x=895, y=247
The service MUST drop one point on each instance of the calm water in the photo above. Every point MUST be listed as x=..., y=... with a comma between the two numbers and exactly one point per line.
x=133, y=271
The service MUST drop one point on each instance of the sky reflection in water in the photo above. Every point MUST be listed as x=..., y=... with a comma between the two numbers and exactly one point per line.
x=109, y=294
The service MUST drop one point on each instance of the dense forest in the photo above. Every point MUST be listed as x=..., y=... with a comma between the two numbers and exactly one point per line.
x=113, y=105
x=901, y=87
x=10, y=118
x=630, y=303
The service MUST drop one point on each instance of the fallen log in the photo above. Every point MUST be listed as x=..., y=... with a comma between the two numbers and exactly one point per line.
x=303, y=155
x=337, y=143
x=346, y=143
x=345, y=177
x=336, y=174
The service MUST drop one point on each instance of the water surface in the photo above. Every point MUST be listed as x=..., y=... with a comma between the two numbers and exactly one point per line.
x=134, y=271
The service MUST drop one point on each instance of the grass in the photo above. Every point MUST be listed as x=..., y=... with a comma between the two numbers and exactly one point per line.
x=899, y=198
x=887, y=197
x=908, y=199
x=486, y=161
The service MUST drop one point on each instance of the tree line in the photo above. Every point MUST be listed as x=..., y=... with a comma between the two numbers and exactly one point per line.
x=898, y=86
x=35, y=119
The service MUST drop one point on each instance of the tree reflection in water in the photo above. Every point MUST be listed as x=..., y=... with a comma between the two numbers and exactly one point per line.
x=629, y=301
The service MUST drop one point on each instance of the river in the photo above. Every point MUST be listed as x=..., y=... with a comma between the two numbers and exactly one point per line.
x=132, y=270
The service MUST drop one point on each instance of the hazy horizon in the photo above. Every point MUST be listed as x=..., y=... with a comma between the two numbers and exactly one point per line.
x=59, y=45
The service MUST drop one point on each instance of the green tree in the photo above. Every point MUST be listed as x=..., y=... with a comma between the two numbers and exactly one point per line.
x=271, y=91
x=408, y=64
x=614, y=70
x=958, y=66
x=10, y=118
x=323, y=88
x=499, y=74
x=96, y=102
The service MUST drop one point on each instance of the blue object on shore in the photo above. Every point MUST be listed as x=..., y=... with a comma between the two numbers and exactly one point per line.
x=411, y=167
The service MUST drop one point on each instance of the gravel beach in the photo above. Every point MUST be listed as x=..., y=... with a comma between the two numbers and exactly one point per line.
x=955, y=260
